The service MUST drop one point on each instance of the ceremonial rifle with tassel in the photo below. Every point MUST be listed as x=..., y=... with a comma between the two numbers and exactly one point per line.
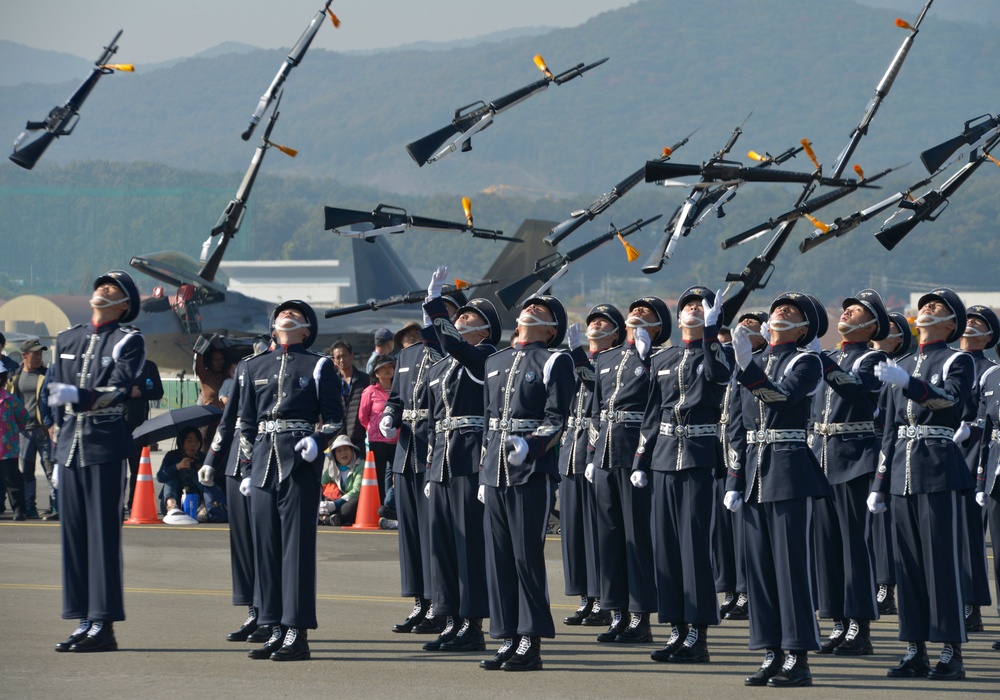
x=388, y=219
x=415, y=297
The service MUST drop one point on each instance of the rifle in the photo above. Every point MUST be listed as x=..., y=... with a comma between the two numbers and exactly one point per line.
x=805, y=210
x=881, y=90
x=933, y=158
x=294, y=58
x=930, y=206
x=552, y=267
x=229, y=223
x=473, y=118
x=389, y=219
x=415, y=297
x=601, y=204
x=732, y=172
x=63, y=119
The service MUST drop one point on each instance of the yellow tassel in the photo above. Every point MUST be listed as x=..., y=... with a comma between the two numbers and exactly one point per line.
x=467, y=206
x=631, y=253
x=754, y=155
x=807, y=147
x=540, y=62
x=859, y=171
x=903, y=24
x=825, y=228
x=124, y=67
x=285, y=149
x=333, y=18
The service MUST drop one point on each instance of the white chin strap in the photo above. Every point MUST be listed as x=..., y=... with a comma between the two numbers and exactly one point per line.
x=465, y=328
x=526, y=319
x=690, y=320
x=782, y=326
x=971, y=332
x=927, y=320
x=637, y=322
x=894, y=335
x=845, y=328
x=289, y=324
x=598, y=334
x=101, y=302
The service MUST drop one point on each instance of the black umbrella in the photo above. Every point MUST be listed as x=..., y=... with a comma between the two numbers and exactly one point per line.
x=170, y=424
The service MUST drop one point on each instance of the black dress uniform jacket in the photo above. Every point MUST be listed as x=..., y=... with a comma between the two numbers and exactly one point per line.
x=573, y=455
x=407, y=403
x=989, y=417
x=621, y=390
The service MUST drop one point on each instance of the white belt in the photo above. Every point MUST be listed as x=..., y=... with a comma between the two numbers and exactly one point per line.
x=283, y=426
x=995, y=435
x=108, y=411
x=921, y=432
x=414, y=414
x=760, y=437
x=515, y=425
x=844, y=428
x=572, y=422
x=457, y=422
x=621, y=416
x=690, y=431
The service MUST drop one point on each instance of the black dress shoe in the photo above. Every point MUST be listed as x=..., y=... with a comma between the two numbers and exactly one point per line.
x=973, y=619
x=470, y=637
x=598, y=617
x=527, y=657
x=950, y=666
x=914, y=664
x=678, y=633
x=577, y=618
x=506, y=650
x=618, y=624
x=996, y=646
x=272, y=644
x=857, y=641
x=100, y=637
x=836, y=637
x=741, y=610
x=694, y=650
x=886, y=600
x=728, y=604
x=295, y=646
x=451, y=630
x=244, y=632
x=79, y=633
x=431, y=624
x=794, y=673
x=260, y=635
x=637, y=632
x=417, y=616
x=773, y=661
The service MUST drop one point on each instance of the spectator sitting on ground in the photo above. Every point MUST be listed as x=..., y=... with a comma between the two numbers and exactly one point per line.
x=178, y=473
x=341, y=483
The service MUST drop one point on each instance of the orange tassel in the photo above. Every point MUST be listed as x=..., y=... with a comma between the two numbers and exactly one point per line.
x=631, y=253
x=903, y=24
x=666, y=151
x=125, y=67
x=859, y=171
x=333, y=18
x=461, y=284
x=540, y=62
x=467, y=206
x=285, y=149
x=807, y=147
x=825, y=228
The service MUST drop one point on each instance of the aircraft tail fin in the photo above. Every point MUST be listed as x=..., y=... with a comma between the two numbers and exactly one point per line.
x=514, y=262
x=378, y=271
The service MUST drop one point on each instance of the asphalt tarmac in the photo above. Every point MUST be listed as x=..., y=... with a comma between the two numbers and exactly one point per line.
x=178, y=603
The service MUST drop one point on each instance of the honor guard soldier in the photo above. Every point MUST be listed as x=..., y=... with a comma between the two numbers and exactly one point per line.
x=728, y=555
x=982, y=330
x=621, y=389
x=577, y=505
x=843, y=439
x=224, y=453
x=897, y=346
x=922, y=467
x=284, y=394
x=776, y=488
x=679, y=444
x=406, y=412
x=457, y=536
x=528, y=392
x=987, y=493
x=90, y=379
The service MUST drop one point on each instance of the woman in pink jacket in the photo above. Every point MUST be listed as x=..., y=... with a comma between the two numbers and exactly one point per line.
x=373, y=400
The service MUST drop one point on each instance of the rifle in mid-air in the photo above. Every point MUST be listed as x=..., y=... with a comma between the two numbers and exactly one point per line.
x=552, y=267
x=415, y=297
x=229, y=223
x=473, y=118
x=972, y=132
x=294, y=58
x=63, y=119
x=389, y=219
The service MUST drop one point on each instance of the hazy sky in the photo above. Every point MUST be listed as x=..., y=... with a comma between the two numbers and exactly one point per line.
x=157, y=30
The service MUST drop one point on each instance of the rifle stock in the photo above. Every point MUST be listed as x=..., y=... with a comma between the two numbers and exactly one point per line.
x=422, y=149
x=936, y=156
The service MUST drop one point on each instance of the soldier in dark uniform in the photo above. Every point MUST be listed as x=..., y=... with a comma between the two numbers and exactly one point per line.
x=843, y=439
x=88, y=382
x=528, y=392
x=406, y=412
x=897, y=346
x=778, y=483
x=679, y=443
x=455, y=401
x=987, y=493
x=577, y=505
x=621, y=389
x=922, y=467
x=982, y=330
x=285, y=393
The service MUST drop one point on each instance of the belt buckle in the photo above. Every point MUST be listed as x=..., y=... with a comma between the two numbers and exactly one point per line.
x=504, y=424
x=679, y=431
x=269, y=426
x=761, y=434
x=911, y=431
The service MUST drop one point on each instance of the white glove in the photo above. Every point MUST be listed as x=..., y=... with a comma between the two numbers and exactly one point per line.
x=427, y=490
x=588, y=473
x=962, y=434
x=324, y=508
x=981, y=499
x=742, y=346
x=642, y=342
x=573, y=336
x=517, y=450
x=733, y=500
x=814, y=346
x=437, y=282
x=206, y=476
x=876, y=502
x=638, y=479
x=62, y=394
x=481, y=493
x=54, y=479
x=245, y=486
x=891, y=373
x=308, y=448
x=385, y=427
x=713, y=313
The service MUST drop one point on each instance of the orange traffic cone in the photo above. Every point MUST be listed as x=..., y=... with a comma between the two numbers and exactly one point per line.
x=368, y=501
x=144, y=501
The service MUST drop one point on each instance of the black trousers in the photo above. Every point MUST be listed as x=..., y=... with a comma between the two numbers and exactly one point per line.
x=13, y=480
x=414, y=535
x=880, y=535
x=625, y=545
x=727, y=545
x=91, y=502
x=241, y=547
x=383, y=452
x=993, y=520
x=581, y=563
x=975, y=577
x=458, y=548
